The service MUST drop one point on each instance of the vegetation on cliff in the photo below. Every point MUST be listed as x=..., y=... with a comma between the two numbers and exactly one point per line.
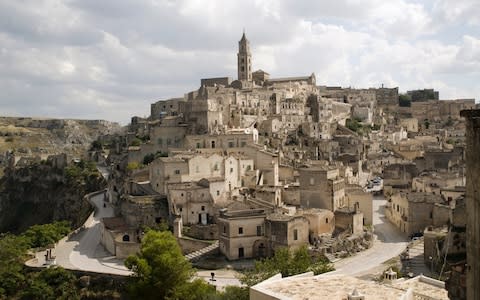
x=41, y=193
x=20, y=282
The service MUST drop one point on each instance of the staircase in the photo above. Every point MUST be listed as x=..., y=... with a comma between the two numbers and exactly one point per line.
x=197, y=254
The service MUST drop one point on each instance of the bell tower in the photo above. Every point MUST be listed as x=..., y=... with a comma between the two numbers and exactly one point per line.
x=244, y=58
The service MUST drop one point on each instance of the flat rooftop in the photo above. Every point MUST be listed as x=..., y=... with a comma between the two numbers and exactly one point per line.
x=339, y=287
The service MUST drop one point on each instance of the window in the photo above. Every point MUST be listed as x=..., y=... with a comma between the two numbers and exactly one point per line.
x=203, y=208
x=230, y=145
x=177, y=172
x=218, y=193
x=160, y=141
x=326, y=220
x=224, y=229
x=198, y=145
x=231, y=170
x=181, y=194
x=240, y=230
x=240, y=252
x=295, y=234
x=243, y=144
x=215, y=167
x=259, y=230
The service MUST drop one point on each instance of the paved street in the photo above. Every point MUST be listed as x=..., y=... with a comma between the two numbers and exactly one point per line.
x=390, y=242
x=223, y=278
x=82, y=250
x=87, y=253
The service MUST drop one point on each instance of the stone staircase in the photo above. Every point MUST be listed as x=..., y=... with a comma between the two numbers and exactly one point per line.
x=416, y=264
x=199, y=253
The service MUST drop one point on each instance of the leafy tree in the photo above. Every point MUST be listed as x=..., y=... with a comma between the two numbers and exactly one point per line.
x=133, y=166
x=287, y=263
x=148, y=158
x=234, y=292
x=46, y=234
x=426, y=122
x=353, y=124
x=135, y=142
x=162, y=272
x=404, y=101
x=96, y=145
x=12, y=253
x=51, y=283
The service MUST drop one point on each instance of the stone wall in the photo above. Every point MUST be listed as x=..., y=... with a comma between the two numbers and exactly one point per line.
x=473, y=202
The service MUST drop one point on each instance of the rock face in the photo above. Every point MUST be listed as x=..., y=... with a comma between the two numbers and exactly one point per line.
x=43, y=137
x=43, y=193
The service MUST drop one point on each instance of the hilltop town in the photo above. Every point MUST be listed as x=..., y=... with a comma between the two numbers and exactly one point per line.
x=238, y=169
x=260, y=163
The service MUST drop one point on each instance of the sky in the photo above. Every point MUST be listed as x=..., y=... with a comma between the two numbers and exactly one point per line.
x=111, y=59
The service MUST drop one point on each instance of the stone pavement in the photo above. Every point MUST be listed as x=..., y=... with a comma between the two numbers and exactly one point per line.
x=222, y=278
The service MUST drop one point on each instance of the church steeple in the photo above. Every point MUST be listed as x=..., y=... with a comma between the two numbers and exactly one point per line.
x=244, y=59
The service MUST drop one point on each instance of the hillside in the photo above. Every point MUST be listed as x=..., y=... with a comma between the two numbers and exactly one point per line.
x=42, y=137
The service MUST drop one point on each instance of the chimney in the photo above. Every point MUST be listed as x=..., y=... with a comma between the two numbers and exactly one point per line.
x=355, y=295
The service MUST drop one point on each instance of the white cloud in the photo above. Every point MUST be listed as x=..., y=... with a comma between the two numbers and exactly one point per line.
x=111, y=59
x=462, y=11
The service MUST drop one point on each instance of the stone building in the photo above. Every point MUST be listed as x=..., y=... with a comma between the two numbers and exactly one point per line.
x=321, y=187
x=244, y=60
x=423, y=95
x=192, y=202
x=355, y=195
x=413, y=212
x=148, y=210
x=473, y=202
x=285, y=231
x=320, y=221
x=242, y=233
x=164, y=108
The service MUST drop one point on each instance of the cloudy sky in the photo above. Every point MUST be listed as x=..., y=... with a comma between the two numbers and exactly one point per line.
x=110, y=59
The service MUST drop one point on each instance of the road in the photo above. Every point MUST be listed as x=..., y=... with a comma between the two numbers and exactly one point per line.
x=87, y=253
x=82, y=250
x=389, y=243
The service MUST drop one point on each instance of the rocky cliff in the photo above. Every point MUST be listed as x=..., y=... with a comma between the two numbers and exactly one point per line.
x=43, y=137
x=42, y=193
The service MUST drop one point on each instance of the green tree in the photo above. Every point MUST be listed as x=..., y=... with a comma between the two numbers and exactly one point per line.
x=96, y=145
x=148, y=158
x=404, y=100
x=426, y=122
x=51, y=283
x=287, y=263
x=46, y=234
x=234, y=292
x=12, y=253
x=162, y=272
x=135, y=142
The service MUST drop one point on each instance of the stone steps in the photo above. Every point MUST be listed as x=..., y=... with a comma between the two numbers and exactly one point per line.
x=201, y=252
